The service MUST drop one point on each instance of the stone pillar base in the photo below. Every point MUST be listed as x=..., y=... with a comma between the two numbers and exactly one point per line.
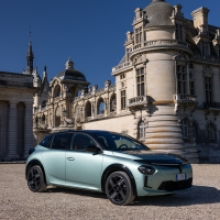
x=164, y=134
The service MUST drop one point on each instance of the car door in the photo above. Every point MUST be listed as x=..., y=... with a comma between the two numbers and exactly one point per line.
x=54, y=159
x=83, y=169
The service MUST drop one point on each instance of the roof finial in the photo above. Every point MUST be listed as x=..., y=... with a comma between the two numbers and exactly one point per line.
x=45, y=72
x=69, y=64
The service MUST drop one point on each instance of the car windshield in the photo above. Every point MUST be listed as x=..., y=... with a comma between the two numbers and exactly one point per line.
x=118, y=142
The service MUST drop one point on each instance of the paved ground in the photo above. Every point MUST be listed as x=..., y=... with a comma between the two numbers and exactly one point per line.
x=18, y=202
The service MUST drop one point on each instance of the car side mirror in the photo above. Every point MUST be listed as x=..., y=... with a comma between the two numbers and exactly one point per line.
x=93, y=149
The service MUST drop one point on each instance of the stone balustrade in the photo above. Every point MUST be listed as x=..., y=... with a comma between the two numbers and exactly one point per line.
x=206, y=58
x=121, y=66
x=137, y=102
x=211, y=105
x=184, y=97
x=165, y=42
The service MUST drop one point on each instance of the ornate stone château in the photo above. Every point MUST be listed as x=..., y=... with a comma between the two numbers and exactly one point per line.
x=166, y=90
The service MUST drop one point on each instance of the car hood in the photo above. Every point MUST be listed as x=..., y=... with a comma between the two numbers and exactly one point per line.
x=154, y=158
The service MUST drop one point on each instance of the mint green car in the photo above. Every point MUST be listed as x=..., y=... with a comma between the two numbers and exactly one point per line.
x=109, y=162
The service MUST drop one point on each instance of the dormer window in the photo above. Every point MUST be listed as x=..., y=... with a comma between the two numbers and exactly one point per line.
x=179, y=32
x=204, y=47
x=138, y=35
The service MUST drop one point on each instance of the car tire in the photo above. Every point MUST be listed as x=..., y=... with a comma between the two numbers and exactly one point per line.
x=35, y=179
x=118, y=188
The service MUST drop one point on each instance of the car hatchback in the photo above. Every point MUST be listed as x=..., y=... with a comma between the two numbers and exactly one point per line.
x=104, y=161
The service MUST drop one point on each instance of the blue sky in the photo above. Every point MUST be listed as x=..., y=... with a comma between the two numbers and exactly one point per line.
x=91, y=32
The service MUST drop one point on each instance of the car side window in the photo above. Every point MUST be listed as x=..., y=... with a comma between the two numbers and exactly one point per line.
x=46, y=142
x=61, y=141
x=103, y=140
x=80, y=142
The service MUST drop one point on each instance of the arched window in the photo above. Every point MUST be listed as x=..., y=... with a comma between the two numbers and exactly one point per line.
x=113, y=103
x=211, y=132
x=58, y=117
x=43, y=119
x=141, y=130
x=36, y=120
x=88, y=109
x=44, y=103
x=185, y=130
x=100, y=107
x=56, y=91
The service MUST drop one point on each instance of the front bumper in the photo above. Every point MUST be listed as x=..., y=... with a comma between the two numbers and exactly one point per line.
x=164, y=182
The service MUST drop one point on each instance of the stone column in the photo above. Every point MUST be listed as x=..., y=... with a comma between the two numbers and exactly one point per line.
x=94, y=112
x=28, y=128
x=12, y=131
x=106, y=112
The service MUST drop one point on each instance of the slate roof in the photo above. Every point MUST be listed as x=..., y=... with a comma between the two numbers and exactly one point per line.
x=158, y=13
x=71, y=74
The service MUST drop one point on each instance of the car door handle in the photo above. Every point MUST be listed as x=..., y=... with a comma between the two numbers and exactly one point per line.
x=70, y=158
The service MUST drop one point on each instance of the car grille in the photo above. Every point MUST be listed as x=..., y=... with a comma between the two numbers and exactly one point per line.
x=173, y=186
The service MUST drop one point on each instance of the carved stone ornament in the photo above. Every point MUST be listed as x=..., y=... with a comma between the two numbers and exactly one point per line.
x=181, y=57
x=138, y=59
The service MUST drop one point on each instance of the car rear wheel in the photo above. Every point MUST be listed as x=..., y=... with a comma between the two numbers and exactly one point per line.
x=35, y=179
x=118, y=188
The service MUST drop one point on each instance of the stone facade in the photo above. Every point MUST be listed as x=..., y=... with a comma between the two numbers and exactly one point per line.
x=166, y=90
x=16, y=110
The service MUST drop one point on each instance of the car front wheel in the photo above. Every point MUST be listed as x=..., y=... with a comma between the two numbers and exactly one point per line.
x=118, y=188
x=35, y=179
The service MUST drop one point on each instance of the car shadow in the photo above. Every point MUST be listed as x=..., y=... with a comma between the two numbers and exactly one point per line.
x=74, y=191
x=196, y=196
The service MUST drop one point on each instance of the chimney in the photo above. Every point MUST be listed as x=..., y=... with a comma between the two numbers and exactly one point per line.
x=129, y=36
x=138, y=13
x=178, y=11
x=200, y=19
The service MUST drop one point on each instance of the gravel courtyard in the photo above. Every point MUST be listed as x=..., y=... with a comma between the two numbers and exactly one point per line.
x=18, y=202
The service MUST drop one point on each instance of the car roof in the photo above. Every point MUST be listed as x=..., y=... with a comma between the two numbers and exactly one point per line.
x=84, y=131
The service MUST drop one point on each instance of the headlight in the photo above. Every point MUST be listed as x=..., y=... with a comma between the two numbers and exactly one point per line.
x=146, y=170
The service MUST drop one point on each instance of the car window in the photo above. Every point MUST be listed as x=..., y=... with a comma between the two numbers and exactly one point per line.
x=61, y=141
x=80, y=142
x=46, y=142
x=114, y=141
